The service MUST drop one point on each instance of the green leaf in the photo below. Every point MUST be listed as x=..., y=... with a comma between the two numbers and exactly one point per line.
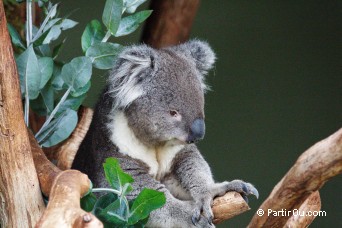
x=81, y=90
x=67, y=24
x=15, y=37
x=57, y=49
x=70, y=103
x=47, y=95
x=77, y=73
x=56, y=30
x=140, y=223
x=53, y=34
x=103, y=55
x=132, y=5
x=51, y=23
x=103, y=202
x=130, y=23
x=88, y=202
x=46, y=69
x=59, y=129
x=44, y=50
x=115, y=213
x=112, y=14
x=147, y=201
x=57, y=80
x=93, y=33
x=114, y=174
x=29, y=72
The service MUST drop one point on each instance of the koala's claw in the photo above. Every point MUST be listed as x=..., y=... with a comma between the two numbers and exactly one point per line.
x=245, y=189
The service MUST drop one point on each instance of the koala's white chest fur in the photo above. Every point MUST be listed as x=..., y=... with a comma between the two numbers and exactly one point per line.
x=158, y=159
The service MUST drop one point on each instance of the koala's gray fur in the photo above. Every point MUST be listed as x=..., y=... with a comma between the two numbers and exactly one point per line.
x=148, y=117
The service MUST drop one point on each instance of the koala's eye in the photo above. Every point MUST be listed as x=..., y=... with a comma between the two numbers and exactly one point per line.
x=174, y=113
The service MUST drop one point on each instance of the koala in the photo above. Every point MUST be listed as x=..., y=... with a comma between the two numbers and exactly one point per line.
x=149, y=117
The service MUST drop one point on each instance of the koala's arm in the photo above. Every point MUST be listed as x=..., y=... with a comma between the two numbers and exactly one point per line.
x=175, y=212
x=194, y=175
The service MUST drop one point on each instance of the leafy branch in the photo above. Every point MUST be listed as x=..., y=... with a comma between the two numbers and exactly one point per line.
x=113, y=208
x=56, y=89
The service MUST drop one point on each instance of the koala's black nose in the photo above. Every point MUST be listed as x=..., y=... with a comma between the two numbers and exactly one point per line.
x=197, y=131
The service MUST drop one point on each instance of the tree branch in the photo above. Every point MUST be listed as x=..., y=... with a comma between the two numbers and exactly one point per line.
x=312, y=169
x=64, y=189
x=311, y=204
x=21, y=201
x=170, y=22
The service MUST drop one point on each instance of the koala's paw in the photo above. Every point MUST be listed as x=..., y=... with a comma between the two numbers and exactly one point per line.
x=245, y=189
x=202, y=213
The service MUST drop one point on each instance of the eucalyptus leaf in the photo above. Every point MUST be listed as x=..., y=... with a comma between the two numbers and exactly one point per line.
x=59, y=129
x=114, y=174
x=57, y=80
x=130, y=23
x=147, y=201
x=44, y=50
x=46, y=69
x=44, y=103
x=56, y=30
x=81, y=90
x=48, y=96
x=93, y=33
x=29, y=72
x=115, y=213
x=77, y=73
x=112, y=14
x=67, y=24
x=52, y=11
x=51, y=23
x=53, y=34
x=103, y=202
x=70, y=103
x=88, y=202
x=103, y=55
x=57, y=49
x=15, y=37
x=132, y=5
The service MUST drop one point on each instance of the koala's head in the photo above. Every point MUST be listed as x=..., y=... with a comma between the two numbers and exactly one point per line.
x=161, y=92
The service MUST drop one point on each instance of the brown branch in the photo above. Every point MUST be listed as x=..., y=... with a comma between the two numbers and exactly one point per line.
x=170, y=22
x=311, y=204
x=228, y=206
x=21, y=201
x=64, y=189
x=312, y=169
x=67, y=151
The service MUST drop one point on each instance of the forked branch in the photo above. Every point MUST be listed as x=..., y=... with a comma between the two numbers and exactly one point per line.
x=312, y=169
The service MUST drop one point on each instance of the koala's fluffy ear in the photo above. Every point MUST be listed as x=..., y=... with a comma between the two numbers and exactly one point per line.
x=133, y=66
x=200, y=52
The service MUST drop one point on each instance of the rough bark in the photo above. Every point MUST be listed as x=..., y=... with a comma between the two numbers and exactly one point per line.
x=312, y=169
x=21, y=201
x=64, y=189
x=170, y=22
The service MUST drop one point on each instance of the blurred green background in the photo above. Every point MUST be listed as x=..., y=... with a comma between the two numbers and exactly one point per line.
x=277, y=88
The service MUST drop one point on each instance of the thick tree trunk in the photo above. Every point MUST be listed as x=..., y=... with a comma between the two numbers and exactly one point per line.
x=21, y=201
x=170, y=22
